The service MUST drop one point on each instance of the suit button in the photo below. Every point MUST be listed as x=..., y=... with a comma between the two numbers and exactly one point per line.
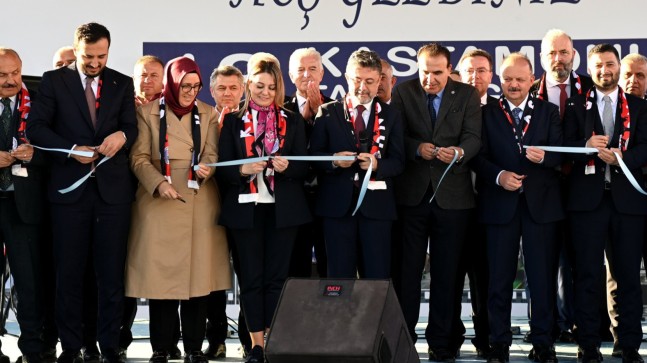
x=191, y=149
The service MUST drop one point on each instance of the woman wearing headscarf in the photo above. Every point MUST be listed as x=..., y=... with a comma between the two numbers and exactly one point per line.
x=264, y=201
x=177, y=253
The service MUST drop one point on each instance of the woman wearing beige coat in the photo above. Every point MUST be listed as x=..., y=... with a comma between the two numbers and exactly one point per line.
x=176, y=250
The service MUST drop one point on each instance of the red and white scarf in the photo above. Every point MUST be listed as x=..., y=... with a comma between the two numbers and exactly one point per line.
x=542, y=92
x=625, y=134
x=524, y=122
x=24, y=106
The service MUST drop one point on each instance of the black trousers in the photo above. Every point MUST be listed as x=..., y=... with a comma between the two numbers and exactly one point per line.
x=217, y=317
x=473, y=263
x=622, y=234
x=163, y=323
x=23, y=248
x=264, y=252
x=90, y=225
x=310, y=235
x=539, y=245
x=443, y=232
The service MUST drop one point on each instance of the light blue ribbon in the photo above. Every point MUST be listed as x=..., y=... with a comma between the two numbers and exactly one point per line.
x=362, y=190
x=82, y=180
x=287, y=157
x=592, y=150
x=87, y=154
x=444, y=173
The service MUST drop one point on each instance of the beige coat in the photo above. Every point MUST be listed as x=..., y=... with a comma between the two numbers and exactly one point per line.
x=175, y=250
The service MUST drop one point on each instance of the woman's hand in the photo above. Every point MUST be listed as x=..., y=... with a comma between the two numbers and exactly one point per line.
x=252, y=168
x=203, y=171
x=166, y=191
x=280, y=164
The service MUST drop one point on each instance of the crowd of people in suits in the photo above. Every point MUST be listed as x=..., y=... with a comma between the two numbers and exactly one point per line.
x=462, y=177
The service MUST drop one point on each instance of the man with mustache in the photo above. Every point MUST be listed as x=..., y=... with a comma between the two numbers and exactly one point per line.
x=88, y=107
x=519, y=198
x=607, y=214
x=22, y=209
x=364, y=126
x=442, y=121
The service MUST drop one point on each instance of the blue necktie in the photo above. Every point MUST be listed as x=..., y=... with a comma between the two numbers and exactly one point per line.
x=5, y=137
x=432, y=109
x=516, y=115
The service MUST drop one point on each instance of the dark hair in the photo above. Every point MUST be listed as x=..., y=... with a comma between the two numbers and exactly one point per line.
x=91, y=33
x=477, y=53
x=604, y=48
x=365, y=59
x=435, y=50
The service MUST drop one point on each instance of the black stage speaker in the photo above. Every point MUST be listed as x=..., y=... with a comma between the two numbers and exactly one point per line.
x=339, y=321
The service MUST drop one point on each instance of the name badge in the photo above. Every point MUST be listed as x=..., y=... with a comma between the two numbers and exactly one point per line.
x=18, y=170
x=589, y=170
x=248, y=198
x=377, y=185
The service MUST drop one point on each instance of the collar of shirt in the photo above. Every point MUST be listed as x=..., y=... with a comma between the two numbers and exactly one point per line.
x=484, y=100
x=614, y=101
x=522, y=105
x=552, y=82
x=12, y=103
x=95, y=81
x=438, y=99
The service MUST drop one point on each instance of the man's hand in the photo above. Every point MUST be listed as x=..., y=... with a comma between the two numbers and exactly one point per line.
x=166, y=191
x=253, y=168
x=280, y=164
x=597, y=141
x=608, y=156
x=6, y=159
x=427, y=151
x=446, y=154
x=510, y=181
x=23, y=152
x=344, y=163
x=535, y=155
x=365, y=160
x=111, y=144
x=83, y=159
x=203, y=171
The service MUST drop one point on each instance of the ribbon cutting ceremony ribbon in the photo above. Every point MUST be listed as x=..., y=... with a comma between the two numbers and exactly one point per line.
x=362, y=190
x=287, y=157
x=87, y=154
x=443, y=176
x=82, y=180
x=591, y=150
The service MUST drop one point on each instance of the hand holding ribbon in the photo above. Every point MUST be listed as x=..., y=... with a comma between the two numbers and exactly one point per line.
x=24, y=152
x=366, y=161
x=85, y=159
x=280, y=164
x=427, y=150
x=344, y=163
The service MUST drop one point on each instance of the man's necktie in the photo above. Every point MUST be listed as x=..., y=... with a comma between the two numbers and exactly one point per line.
x=516, y=115
x=562, y=100
x=360, y=126
x=608, y=123
x=432, y=109
x=5, y=119
x=91, y=99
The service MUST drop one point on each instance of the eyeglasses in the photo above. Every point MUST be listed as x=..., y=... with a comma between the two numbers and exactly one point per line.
x=479, y=71
x=187, y=87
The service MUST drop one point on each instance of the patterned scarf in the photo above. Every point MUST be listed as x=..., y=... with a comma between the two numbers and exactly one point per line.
x=163, y=142
x=259, y=143
x=524, y=123
x=625, y=134
x=542, y=92
x=24, y=106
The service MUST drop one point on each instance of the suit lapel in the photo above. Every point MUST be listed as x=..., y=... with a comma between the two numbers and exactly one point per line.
x=106, y=100
x=347, y=128
x=420, y=102
x=72, y=81
x=446, y=103
x=176, y=130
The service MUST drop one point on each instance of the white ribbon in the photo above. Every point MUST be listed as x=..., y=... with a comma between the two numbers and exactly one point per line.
x=82, y=180
x=287, y=157
x=443, y=176
x=87, y=154
x=592, y=150
x=362, y=190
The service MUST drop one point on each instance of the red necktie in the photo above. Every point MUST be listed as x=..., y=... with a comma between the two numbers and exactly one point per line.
x=359, y=122
x=92, y=101
x=562, y=100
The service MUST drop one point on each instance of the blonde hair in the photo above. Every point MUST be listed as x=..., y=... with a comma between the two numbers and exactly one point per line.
x=265, y=63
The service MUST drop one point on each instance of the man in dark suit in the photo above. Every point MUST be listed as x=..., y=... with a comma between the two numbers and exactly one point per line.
x=475, y=69
x=88, y=107
x=359, y=125
x=519, y=197
x=306, y=72
x=441, y=118
x=605, y=209
x=22, y=173
x=633, y=80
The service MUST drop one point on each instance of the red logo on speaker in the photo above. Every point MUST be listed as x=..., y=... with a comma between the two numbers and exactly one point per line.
x=332, y=290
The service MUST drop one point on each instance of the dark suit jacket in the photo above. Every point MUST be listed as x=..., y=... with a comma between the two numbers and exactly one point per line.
x=290, y=201
x=458, y=124
x=29, y=192
x=500, y=152
x=333, y=133
x=292, y=105
x=60, y=118
x=585, y=191
x=491, y=100
x=587, y=83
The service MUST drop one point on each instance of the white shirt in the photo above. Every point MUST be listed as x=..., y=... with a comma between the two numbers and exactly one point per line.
x=484, y=100
x=301, y=101
x=552, y=87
